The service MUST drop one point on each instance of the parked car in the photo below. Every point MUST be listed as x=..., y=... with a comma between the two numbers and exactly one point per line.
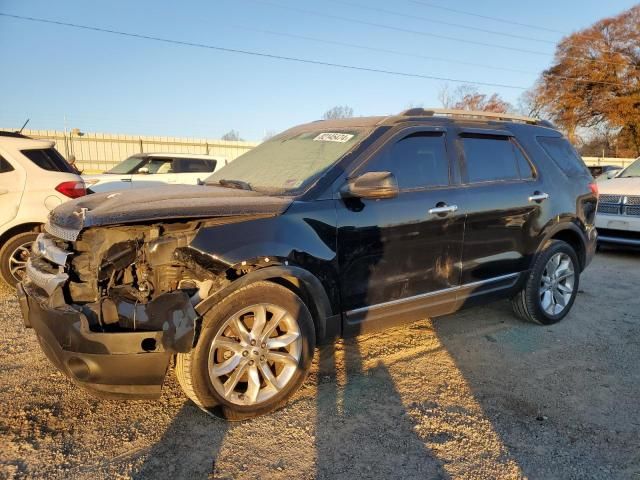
x=599, y=170
x=34, y=179
x=618, y=218
x=609, y=174
x=151, y=169
x=333, y=228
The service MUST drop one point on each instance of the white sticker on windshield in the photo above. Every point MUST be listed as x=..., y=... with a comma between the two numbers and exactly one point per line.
x=333, y=137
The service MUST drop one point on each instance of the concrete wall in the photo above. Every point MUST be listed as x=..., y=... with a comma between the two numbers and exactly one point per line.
x=96, y=152
x=622, y=162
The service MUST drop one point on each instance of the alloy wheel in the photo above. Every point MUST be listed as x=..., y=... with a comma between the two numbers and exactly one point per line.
x=18, y=261
x=557, y=284
x=255, y=354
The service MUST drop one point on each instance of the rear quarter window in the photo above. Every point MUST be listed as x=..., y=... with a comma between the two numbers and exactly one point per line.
x=48, y=159
x=563, y=155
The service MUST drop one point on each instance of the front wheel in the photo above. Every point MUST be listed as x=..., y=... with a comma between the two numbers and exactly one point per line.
x=13, y=257
x=254, y=351
x=552, y=286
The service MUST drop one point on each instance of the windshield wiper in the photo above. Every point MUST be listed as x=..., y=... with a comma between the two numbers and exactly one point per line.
x=239, y=184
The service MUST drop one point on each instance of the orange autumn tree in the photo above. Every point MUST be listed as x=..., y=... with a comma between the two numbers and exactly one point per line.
x=594, y=81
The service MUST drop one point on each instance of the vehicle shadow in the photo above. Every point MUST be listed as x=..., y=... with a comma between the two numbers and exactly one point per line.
x=189, y=448
x=364, y=409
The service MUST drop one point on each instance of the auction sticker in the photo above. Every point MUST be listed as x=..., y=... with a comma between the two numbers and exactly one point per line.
x=333, y=137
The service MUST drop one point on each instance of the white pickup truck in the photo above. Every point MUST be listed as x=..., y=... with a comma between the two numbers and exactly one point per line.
x=152, y=169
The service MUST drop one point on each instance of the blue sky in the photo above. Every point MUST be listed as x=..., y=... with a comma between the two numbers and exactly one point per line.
x=107, y=83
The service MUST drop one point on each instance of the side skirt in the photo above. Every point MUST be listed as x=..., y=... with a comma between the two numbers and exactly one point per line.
x=432, y=304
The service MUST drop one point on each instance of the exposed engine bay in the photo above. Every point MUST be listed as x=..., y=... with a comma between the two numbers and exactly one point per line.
x=131, y=278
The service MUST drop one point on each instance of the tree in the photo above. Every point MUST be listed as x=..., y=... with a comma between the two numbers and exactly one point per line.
x=343, y=111
x=467, y=97
x=594, y=81
x=232, y=136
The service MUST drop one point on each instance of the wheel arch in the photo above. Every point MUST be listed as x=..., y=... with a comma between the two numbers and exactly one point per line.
x=18, y=229
x=299, y=280
x=571, y=234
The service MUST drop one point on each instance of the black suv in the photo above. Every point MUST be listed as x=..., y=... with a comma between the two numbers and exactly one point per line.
x=329, y=229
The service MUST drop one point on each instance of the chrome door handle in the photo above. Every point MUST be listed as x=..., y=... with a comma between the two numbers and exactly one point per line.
x=538, y=197
x=444, y=209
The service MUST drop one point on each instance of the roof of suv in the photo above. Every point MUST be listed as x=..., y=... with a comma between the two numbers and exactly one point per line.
x=432, y=115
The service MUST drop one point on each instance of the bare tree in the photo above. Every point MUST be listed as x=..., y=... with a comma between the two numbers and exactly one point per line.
x=232, y=136
x=339, y=111
x=467, y=97
x=269, y=134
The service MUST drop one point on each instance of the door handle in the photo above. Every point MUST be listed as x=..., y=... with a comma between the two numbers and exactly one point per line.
x=443, y=209
x=538, y=197
x=125, y=179
x=3, y=191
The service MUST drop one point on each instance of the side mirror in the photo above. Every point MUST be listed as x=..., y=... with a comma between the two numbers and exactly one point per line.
x=612, y=173
x=372, y=185
x=143, y=170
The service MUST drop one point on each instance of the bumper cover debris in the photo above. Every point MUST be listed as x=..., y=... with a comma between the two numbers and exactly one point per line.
x=112, y=365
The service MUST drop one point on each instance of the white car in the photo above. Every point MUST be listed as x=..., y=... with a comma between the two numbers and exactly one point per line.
x=34, y=179
x=618, y=218
x=151, y=169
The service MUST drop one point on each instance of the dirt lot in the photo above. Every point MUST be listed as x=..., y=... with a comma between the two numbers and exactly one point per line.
x=475, y=395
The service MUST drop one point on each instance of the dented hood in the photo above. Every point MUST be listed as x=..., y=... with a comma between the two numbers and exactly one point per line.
x=167, y=202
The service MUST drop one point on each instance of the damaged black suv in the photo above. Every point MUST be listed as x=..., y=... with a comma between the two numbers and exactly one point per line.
x=329, y=229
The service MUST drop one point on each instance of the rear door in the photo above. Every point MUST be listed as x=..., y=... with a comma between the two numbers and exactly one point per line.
x=399, y=257
x=505, y=198
x=190, y=170
x=12, y=180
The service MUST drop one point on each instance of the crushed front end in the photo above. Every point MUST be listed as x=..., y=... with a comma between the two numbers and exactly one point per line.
x=111, y=305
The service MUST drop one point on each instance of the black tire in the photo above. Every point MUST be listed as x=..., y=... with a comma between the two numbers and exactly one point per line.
x=192, y=368
x=8, y=250
x=527, y=303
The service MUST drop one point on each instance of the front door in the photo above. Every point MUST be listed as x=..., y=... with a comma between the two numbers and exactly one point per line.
x=399, y=257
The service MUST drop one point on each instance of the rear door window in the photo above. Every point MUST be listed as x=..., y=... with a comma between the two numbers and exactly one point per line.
x=193, y=165
x=48, y=159
x=5, y=166
x=491, y=158
x=494, y=158
x=563, y=155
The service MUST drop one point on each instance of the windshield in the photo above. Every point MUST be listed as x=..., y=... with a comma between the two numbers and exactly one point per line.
x=632, y=170
x=290, y=162
x=129, y=165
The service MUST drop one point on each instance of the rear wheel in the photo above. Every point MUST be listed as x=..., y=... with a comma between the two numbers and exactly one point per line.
x=13, y=257
x=551, y=288
x=254, y=351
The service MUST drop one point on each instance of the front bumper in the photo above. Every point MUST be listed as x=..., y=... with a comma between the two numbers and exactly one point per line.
x=618, y=229
x=119, y=365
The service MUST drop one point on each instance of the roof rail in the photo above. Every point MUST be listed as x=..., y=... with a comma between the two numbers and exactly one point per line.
x=439, y=112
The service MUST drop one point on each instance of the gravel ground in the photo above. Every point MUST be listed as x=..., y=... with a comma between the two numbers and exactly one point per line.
x=475, y=395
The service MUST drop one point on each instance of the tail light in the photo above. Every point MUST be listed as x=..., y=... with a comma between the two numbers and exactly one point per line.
x=594, y=189
x=72, y=189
